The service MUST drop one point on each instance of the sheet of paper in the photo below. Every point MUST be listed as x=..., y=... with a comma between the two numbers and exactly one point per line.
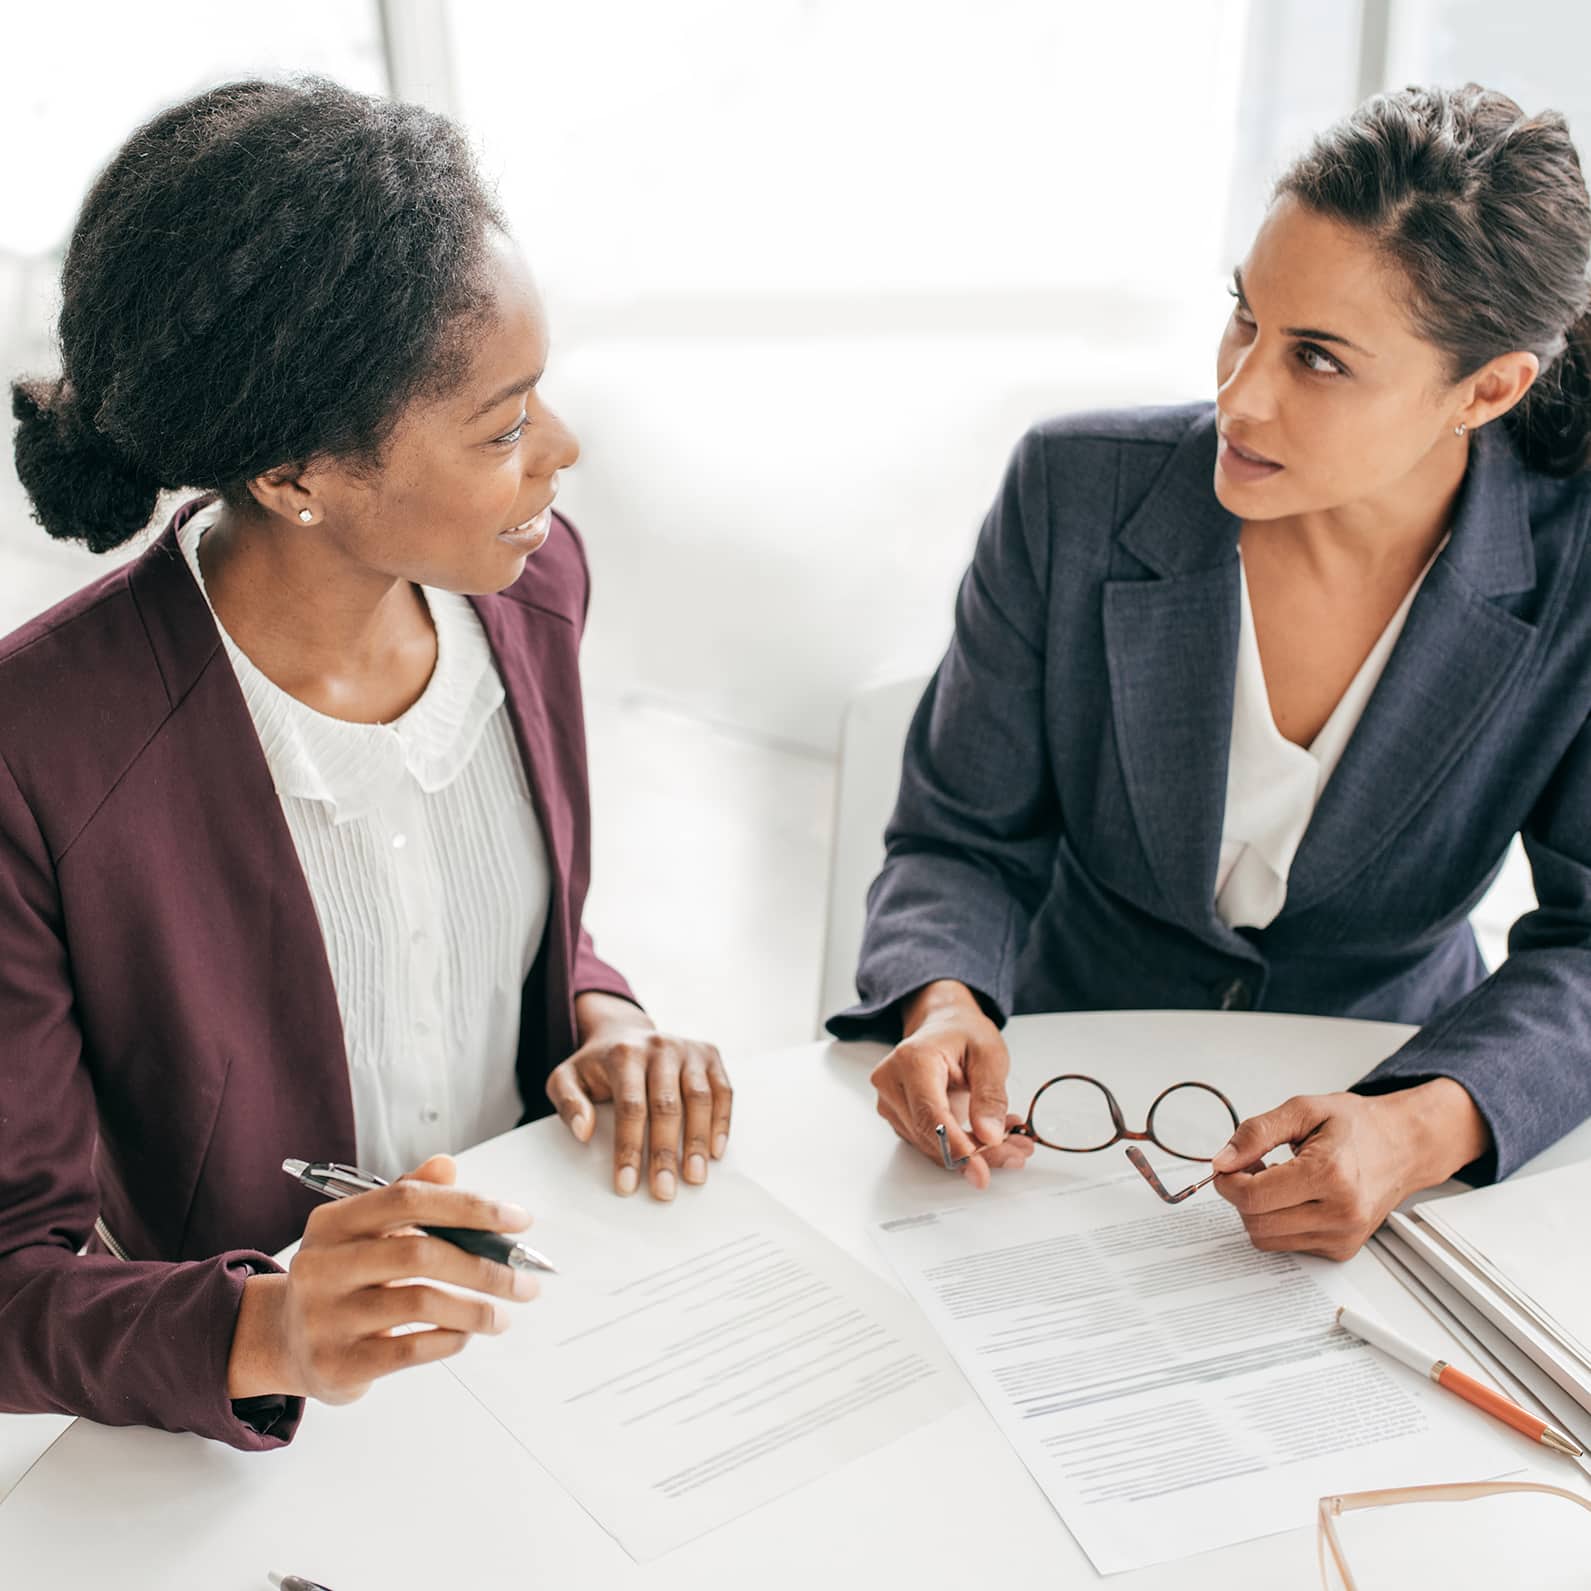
x=692, y=1362
x=1170, y=1387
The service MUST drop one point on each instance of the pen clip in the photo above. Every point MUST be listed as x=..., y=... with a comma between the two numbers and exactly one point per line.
x=335, y=1168
x=339, y=1181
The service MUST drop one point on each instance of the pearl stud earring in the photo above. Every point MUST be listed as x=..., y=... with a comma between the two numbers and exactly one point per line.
x=1460, y=429
x=306, y=514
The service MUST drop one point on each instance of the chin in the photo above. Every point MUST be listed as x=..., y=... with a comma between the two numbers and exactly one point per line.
x=1248, y=501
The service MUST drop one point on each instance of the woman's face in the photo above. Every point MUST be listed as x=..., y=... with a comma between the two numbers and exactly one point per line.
x=467, y=479
x=1320, y=376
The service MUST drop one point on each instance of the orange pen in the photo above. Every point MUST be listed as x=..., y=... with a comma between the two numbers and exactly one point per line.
x=1466, y=1387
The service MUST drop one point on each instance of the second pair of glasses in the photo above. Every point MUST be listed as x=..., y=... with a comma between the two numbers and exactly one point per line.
x=1079, y=1115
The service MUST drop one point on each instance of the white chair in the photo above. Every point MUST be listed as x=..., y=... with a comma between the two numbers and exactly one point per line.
x=872, y=735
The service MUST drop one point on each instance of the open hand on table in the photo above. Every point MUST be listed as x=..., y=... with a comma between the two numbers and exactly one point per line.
x=670, y=1096
x=951, y=1056
x=1355, y=1159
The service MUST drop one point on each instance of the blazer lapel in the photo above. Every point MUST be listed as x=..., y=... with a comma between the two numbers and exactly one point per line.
x=266, y=941
x=1458, y=652
x=1171, y=649
x=533, y=665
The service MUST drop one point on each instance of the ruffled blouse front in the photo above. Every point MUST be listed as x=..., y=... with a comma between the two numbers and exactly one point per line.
x=428, y=872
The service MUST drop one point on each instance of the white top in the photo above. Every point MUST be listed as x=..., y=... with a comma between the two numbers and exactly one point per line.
x=1272, y=784
x=428, y=871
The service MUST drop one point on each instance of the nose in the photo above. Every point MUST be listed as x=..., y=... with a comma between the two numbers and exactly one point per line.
x=562, y=448
x=1247, y=390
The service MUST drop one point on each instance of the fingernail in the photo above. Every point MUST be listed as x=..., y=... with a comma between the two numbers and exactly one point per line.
x=663, y=1184
x=720, y=1144
x=583, y=1126
x=627, y=1179
x=1225, y=1157
x=500, y=1319
x=511, y=1217
x=989, y=1129
x=695, y=1169
x=524, y=1285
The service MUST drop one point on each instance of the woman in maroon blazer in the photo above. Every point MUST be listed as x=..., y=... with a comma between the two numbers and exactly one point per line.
x=302, y=301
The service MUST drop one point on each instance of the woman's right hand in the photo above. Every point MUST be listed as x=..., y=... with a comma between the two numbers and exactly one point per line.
x=949, y=1047
x=325, y=1329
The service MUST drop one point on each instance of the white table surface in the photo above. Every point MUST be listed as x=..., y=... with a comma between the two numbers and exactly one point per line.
x=417, y=1485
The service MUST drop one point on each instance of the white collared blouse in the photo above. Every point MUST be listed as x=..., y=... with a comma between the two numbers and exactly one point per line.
x=428, y=872
x=1273, y=785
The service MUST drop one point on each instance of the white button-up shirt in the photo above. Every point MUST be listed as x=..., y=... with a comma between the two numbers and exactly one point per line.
x=428, y=872
x=1273, y=785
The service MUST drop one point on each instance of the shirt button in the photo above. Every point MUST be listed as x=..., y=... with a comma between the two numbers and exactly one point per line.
x=1234, y=996
x=419, y=937
x=399, y=841
x=430, y=1114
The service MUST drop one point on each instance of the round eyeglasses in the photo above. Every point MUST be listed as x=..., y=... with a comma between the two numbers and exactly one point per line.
x=1079, y=1115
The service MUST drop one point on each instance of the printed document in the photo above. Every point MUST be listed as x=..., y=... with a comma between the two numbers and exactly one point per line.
x=691, y=1362
x=1169, y=1386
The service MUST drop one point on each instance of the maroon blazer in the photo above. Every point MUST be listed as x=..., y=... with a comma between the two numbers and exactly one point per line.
x=168, y=1027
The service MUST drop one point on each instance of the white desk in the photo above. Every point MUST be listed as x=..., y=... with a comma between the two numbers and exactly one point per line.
x=370, y=1497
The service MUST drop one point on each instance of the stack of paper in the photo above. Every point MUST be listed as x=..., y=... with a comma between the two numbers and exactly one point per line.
x=1508, y=1263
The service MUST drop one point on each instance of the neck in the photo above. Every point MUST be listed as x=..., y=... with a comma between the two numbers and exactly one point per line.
x=1401, y=526
x=344, y=638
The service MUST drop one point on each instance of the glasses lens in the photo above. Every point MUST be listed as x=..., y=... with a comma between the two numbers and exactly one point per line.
x=1072, y=1113
x=1192, y=1122
x=1517, y=1539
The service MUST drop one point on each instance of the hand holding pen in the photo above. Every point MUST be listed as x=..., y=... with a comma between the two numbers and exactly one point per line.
x=337, y=1181
x=326, y=1328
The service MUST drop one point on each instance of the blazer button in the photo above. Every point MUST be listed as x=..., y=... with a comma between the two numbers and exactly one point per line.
x=1234, y=996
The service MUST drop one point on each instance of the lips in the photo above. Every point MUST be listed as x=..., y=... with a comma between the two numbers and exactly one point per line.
x=1247, y=454
x=531, y=534
x=1242, y=466
x=535, y=519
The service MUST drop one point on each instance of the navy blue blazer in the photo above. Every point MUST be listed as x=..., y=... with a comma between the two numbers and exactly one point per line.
x=1055, y=841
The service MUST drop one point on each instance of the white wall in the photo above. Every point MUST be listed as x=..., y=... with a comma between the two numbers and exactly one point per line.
x=813, y=266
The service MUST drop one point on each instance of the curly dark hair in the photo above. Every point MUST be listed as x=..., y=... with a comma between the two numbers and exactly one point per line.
x=1483, y=210
x=263, y=275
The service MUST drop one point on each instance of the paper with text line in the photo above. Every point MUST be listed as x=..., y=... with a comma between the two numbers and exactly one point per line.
x=1170, y=1387
x=690, y=1364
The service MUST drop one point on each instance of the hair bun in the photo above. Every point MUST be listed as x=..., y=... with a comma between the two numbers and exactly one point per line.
x=82, y=488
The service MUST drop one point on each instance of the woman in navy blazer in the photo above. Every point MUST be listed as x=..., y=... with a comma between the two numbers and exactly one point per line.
x=301, y=299
x=1404, y=388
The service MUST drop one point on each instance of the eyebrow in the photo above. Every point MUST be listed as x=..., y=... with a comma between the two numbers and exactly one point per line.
x=522, y=384
x=1309, y=333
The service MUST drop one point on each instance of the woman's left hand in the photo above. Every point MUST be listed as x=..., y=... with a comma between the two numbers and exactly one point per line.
x=669, y=1095
x=1355, y=1159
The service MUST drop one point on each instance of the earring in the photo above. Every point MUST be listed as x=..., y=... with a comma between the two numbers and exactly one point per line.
x=1460, y=429
x=307, y=515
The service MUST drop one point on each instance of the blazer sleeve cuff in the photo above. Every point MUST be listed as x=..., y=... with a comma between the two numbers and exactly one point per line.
x=252, y=1425
x=877, y=1018
x=1404, y=1069
x=592, y=975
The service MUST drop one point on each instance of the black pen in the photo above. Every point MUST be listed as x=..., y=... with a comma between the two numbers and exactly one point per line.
x=333, y=1181
x=295, y=1582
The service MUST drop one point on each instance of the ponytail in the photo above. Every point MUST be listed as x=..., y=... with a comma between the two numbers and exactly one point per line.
x=1551, y=424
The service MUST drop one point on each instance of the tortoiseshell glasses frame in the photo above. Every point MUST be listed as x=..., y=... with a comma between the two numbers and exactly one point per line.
x=1121, y=1134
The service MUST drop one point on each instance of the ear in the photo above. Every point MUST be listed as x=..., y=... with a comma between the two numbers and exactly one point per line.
x=286, y=492
x=1495, y=388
